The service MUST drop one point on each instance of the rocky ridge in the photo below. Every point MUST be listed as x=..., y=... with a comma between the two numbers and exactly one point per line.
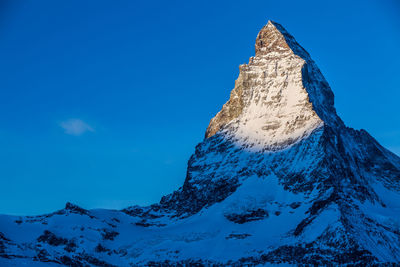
x=278, y=179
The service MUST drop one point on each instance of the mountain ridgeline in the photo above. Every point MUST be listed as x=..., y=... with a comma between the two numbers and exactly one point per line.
x=278, y=179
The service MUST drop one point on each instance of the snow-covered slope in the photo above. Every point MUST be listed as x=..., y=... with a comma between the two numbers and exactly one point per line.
x=278, y=179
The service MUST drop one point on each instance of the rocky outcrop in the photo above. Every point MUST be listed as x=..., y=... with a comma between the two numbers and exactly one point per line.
x=278, y=179
x=279, y=98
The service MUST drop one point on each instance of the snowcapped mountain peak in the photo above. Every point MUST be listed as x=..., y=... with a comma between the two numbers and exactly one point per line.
x=273, y=36
x=278, y=179
x=280, y=96
x=271, y=39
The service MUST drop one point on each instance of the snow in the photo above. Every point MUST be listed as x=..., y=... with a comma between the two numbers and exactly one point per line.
x=279, y=156
x=189, y=238
x=281, y=104
x=25, y=262
x=277, y=109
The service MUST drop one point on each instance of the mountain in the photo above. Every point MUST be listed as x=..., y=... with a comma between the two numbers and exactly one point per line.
x=278, y=179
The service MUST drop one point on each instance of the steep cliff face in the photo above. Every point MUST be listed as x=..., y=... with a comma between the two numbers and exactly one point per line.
x=278, y=178
x=279, y=98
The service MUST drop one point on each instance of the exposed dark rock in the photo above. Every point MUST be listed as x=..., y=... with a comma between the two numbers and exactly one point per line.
x=237, y=236
x=75, y=209
x=100, y=248
x=276, y=143
x=295, y=205
x=109, y=234
x=70, y=247
x=248, y=216
x=51, y=239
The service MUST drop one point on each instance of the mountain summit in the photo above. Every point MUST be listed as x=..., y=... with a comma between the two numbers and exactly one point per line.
x=279, y=98
x=278, y=179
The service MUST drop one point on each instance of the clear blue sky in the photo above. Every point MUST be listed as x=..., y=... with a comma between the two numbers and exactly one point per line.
x=103, y=102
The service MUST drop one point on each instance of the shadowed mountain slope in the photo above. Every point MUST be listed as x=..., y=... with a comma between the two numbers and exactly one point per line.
x=278, y=178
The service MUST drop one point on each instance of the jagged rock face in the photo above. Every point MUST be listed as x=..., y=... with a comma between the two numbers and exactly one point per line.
x=278, y=179
x=278, y=97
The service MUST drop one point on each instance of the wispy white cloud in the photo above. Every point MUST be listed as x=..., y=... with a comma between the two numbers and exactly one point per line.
x=76, y=127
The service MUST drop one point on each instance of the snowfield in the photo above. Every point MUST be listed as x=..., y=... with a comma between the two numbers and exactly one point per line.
x=278, y=180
